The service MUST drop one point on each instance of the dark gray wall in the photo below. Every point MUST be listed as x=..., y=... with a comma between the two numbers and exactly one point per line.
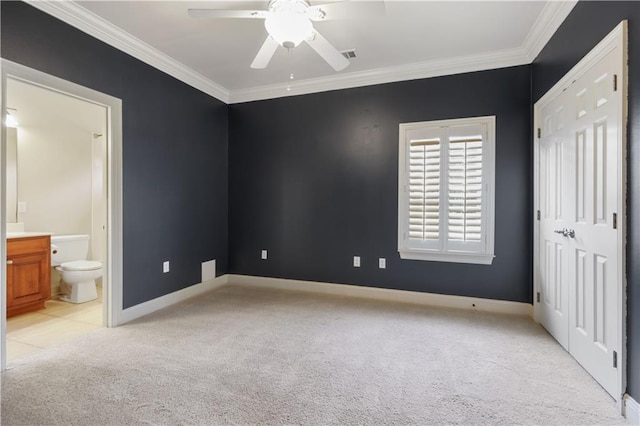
x=313, y=179
x=587, y=24
x=175, y=159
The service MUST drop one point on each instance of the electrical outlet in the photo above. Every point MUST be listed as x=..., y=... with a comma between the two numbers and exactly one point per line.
x=382, y=263
x=165, y=266
x=264, y=255
x=356, y=261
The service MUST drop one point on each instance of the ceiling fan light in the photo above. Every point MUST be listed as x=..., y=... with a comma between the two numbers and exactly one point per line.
x=288, y=29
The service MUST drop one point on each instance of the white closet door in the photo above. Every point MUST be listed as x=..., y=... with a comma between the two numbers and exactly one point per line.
x=593, y=259
x=555, y=205
x=579, y=194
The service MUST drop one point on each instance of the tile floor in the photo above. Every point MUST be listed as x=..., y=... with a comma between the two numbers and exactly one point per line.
x=58, y=322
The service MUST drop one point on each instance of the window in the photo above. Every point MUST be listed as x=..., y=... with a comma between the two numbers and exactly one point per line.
x=445, y=194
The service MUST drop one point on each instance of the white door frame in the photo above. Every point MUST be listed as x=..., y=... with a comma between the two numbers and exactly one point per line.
x=616, y=39
x=113, y=272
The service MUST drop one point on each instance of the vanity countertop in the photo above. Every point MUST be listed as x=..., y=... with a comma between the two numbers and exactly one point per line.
x=26, y=234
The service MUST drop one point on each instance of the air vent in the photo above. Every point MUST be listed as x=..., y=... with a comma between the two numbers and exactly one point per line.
x=349, y=54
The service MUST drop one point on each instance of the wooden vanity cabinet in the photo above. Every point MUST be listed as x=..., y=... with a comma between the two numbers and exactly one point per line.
x=28, y=274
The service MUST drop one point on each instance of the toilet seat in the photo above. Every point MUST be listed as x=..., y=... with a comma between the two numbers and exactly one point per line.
x=81, y=265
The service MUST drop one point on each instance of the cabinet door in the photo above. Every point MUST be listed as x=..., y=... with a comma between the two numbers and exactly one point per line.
x=27, y=279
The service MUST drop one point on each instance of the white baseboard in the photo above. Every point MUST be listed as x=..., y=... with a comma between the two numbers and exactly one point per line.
x=631, y=410
x=158, y=303
x=430, y=299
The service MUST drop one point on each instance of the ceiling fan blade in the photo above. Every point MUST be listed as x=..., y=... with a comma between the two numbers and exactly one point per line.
x=329, y=53
x=265, y=53
x=346, y=10
x=222, y=13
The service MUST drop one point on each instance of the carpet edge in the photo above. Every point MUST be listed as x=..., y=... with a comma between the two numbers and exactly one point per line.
x=404, y=296
x=153, y=305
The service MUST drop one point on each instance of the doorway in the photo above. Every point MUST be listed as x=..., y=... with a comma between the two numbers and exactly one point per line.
x=101, y=215
x=579, y=195
x=56, y=166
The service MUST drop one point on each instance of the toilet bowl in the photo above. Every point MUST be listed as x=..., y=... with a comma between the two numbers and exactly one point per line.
x=77, y=275
x=78, y=280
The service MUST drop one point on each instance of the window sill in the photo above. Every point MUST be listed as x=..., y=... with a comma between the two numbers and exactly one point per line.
x=474, y=258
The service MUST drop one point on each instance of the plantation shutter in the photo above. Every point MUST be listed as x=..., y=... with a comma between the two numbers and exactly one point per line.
x=445, y=198
x=424, y=189
x=465, y=188
x=465, y=194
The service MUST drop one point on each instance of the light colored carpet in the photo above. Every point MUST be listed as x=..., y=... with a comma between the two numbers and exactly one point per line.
x=246, y=355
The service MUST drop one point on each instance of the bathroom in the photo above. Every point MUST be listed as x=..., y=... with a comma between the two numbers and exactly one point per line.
x=56, y=167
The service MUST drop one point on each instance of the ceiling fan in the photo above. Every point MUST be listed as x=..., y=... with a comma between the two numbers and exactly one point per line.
x=288, y=23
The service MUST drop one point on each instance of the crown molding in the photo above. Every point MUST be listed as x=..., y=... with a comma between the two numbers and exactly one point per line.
x=549, y=20
x=90, y=23
x=435, y=68
x=547, y=23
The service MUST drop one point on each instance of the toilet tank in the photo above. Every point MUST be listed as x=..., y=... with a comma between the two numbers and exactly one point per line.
x=66, y=248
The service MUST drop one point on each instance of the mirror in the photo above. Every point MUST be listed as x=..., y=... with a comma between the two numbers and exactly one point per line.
x=12, y=174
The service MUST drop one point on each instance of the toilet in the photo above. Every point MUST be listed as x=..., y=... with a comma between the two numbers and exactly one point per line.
x=78, y=275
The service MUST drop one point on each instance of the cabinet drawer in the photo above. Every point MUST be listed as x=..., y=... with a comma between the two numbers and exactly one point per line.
x=28, y=245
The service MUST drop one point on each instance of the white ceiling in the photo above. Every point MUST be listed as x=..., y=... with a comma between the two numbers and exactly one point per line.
x=414, y=39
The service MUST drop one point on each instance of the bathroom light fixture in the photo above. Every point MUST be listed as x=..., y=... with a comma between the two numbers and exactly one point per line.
x=11, y=120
